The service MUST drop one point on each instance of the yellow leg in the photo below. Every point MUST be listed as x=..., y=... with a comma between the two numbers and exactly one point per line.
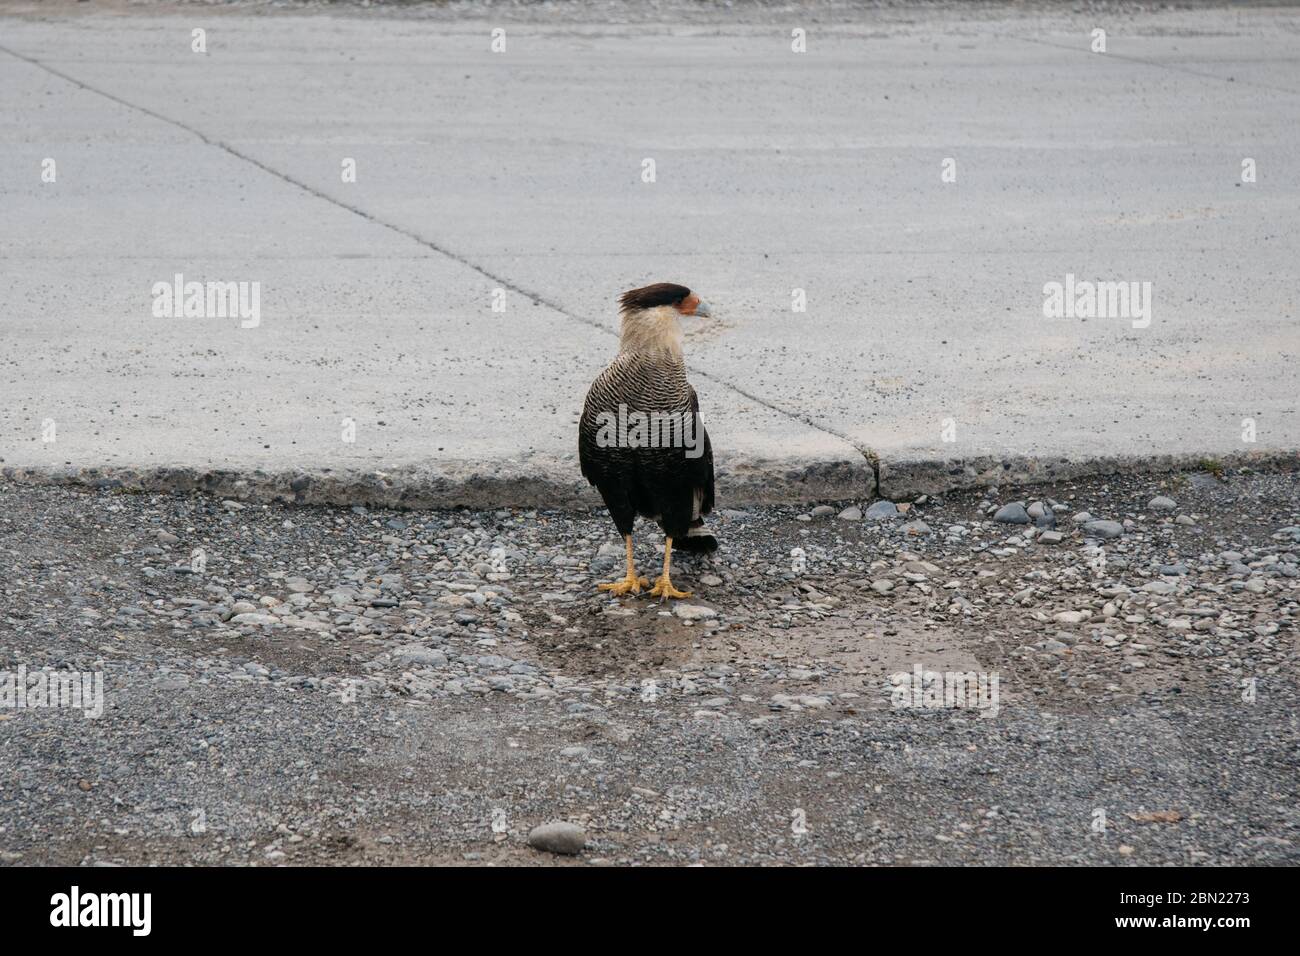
x=629, y=583
x=663, y=586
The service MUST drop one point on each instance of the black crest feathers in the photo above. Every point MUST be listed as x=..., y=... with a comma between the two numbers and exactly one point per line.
x=661, y=293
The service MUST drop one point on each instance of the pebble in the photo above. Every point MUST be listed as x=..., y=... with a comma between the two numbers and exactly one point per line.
x=1072, y=617
x=1161, y=503
x=693, y=612
x=882, y=509
x=418, y=654
x=254, y=618
x=1104, y=529
x=558, y=837
x=1013, y=513
x=851, y=513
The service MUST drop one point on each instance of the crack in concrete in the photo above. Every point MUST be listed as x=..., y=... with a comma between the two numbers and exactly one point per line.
x=535, y=297
x=1171, y=67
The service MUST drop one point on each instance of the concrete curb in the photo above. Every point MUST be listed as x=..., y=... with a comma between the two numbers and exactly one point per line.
x=558, y=485
x=532, y=484
x=906, y=478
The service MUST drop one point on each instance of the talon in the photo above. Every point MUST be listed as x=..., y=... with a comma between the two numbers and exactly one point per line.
x=664, y=588
x=630, y=584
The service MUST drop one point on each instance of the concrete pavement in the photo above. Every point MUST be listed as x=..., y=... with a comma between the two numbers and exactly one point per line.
x=923, y=359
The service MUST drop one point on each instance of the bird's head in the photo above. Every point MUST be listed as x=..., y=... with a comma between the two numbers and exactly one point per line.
x=650, y=315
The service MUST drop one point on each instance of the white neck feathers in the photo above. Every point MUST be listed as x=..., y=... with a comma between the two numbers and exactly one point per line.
x=652, y=330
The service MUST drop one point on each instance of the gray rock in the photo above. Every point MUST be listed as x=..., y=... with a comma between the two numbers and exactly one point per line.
x=851, y=513
x=1013, y=513
x=693, y=612
x=1051, y=537
x=558, y=837
x=1104, y=529
x=417, y=654
x=822, y=511
x=1161, y=503
x=882, y=509
x=1160, y=587
x=253, y=618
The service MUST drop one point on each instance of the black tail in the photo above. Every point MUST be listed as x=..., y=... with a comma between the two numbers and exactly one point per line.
x=698, y=540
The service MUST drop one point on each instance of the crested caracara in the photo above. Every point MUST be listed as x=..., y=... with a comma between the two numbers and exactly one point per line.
x=640, y=439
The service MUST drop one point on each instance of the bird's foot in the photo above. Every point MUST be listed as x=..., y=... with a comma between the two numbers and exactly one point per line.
x=631, y=583
x=664, y=588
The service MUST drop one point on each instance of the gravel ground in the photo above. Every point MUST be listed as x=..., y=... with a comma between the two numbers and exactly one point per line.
x=308, y=685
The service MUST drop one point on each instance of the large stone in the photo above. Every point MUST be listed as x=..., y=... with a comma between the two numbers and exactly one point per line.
x=881, y=510
x=1104, y=529
x=1013, y=513
x=252, y=618
x=418, y=654
x=693, y=612
x=558, y=837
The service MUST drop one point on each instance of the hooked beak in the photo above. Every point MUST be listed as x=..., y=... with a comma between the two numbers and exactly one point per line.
x=703, y=309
